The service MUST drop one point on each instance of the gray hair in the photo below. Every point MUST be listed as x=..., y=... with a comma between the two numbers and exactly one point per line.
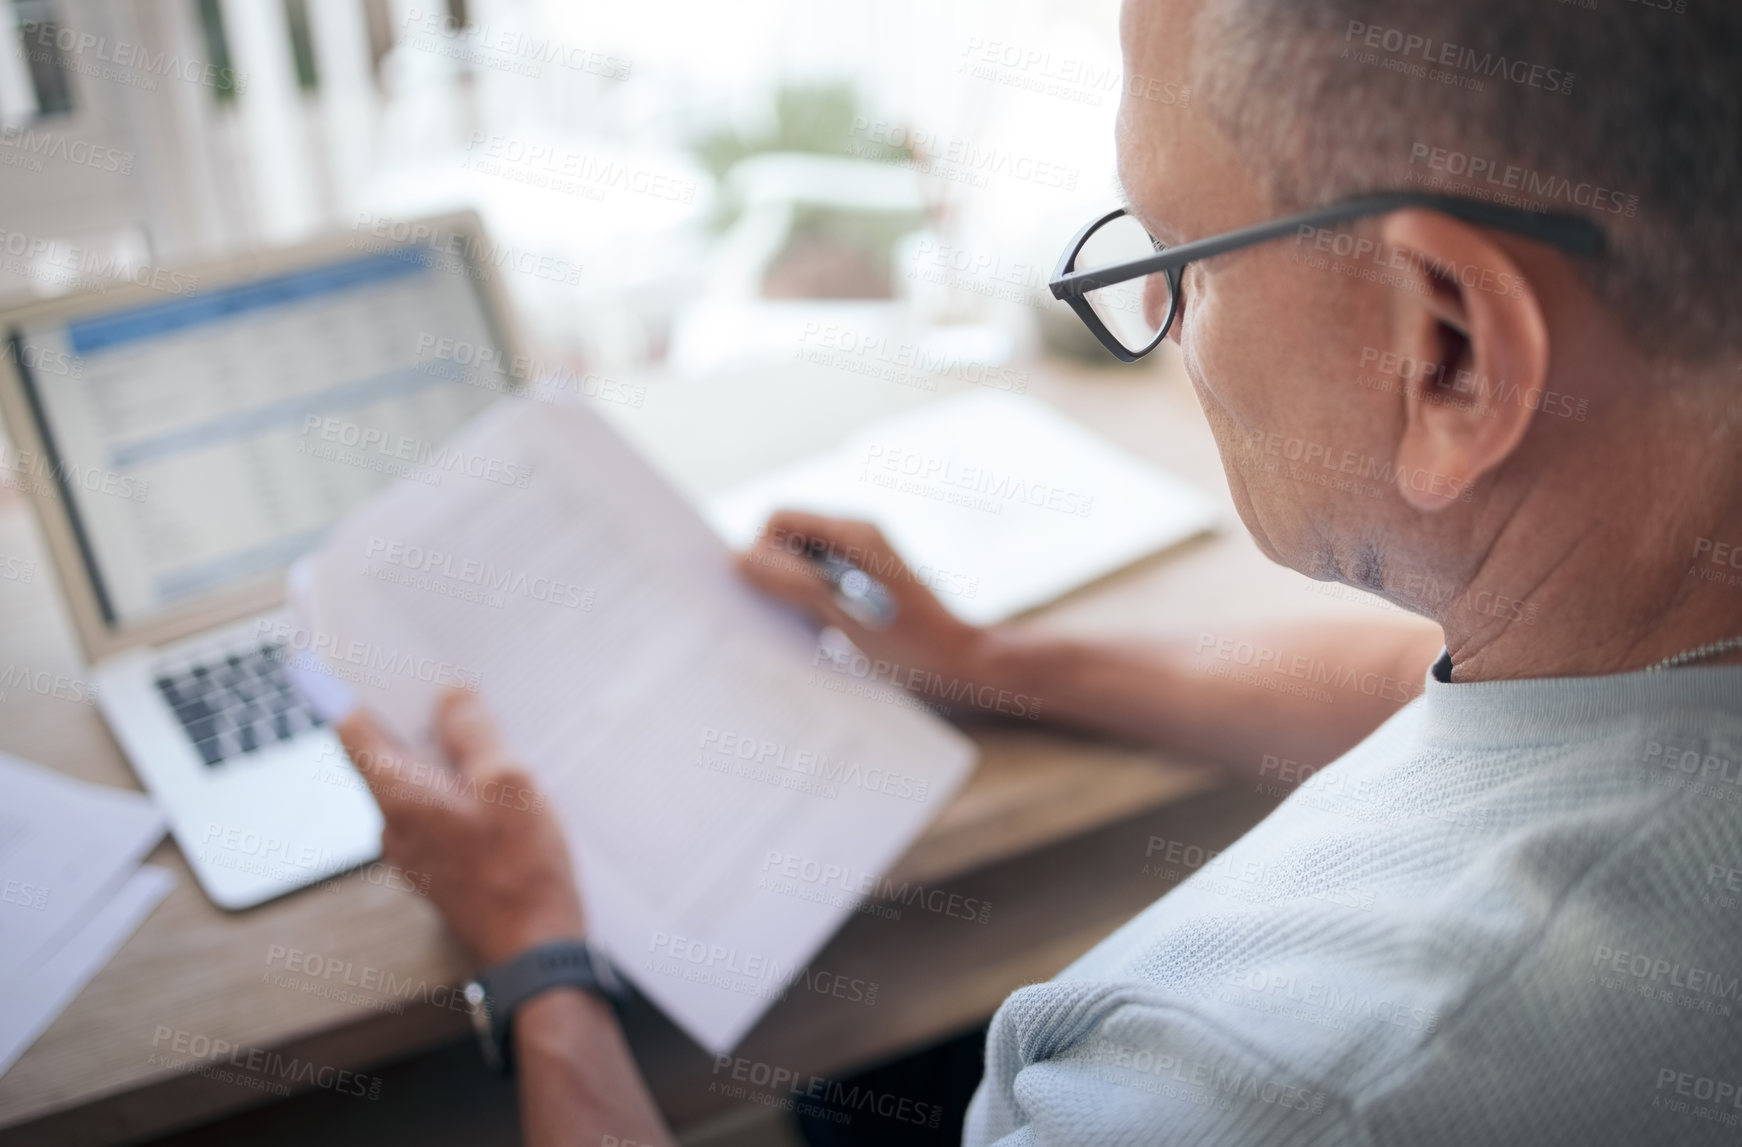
x=1627, y=111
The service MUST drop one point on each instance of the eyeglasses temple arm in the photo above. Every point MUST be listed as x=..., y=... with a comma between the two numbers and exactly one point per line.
x=1571, y=233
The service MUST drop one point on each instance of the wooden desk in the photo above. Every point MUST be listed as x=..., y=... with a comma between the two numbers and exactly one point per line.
x=191, y=968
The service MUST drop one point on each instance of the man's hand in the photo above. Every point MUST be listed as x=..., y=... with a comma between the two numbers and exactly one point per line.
x=499, y=870
x=500, y=874
x=1157, y=691
x=924, y=636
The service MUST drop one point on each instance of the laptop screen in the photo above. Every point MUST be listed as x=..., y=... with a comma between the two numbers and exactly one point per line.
x=207, y=440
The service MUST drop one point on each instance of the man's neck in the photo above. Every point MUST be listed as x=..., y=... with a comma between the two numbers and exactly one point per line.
x=1554, y=634
x=1649, y=566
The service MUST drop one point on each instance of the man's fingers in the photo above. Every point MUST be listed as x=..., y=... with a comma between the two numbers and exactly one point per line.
x=468, y=731
x=379, y=757
x=779, y=563
x=395, y=847
x=860, y=542
x=787, y=577
x=797, y=582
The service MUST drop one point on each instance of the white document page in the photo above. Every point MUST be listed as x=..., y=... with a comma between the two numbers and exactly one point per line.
x=997, y=502
x=64, y=844
x=31, y=1000
x=685, y=728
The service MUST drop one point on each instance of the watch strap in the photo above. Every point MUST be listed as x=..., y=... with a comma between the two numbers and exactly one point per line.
x=557, y=964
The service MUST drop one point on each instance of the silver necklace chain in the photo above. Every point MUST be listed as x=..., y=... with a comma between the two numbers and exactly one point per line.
x=1698, y=653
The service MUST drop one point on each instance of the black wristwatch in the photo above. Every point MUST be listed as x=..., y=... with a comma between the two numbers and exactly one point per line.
x=495, y=994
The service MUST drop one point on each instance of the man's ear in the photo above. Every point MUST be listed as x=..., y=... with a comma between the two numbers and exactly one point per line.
x=1478, y=329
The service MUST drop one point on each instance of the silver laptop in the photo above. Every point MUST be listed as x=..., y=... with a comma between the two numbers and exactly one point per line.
x=185, y=442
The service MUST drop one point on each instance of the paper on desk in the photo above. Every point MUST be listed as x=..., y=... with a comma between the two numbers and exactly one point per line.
x=997, y=502
x=676, y=719
x=30, y=1001
x=64, y=844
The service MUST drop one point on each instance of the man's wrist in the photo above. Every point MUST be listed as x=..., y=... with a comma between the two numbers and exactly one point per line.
x=548, y=1022
x=1006, y=659
x=501, y=945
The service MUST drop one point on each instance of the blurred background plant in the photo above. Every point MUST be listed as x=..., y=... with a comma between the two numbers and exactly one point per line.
x=834, y=248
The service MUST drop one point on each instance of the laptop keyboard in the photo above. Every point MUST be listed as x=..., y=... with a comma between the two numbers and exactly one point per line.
x=235, y=704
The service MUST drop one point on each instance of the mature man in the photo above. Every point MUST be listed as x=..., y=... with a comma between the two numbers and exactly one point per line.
x=1510, y=913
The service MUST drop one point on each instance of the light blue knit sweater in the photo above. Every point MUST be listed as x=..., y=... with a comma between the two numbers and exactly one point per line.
x=1512, y=915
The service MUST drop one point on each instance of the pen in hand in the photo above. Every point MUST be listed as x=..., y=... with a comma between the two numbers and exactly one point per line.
x=860, y=596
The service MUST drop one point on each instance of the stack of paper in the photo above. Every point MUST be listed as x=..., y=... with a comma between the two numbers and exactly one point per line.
x=688, y=737
x=71, y=890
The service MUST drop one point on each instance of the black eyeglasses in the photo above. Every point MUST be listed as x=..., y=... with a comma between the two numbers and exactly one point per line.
x=1105, y=270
